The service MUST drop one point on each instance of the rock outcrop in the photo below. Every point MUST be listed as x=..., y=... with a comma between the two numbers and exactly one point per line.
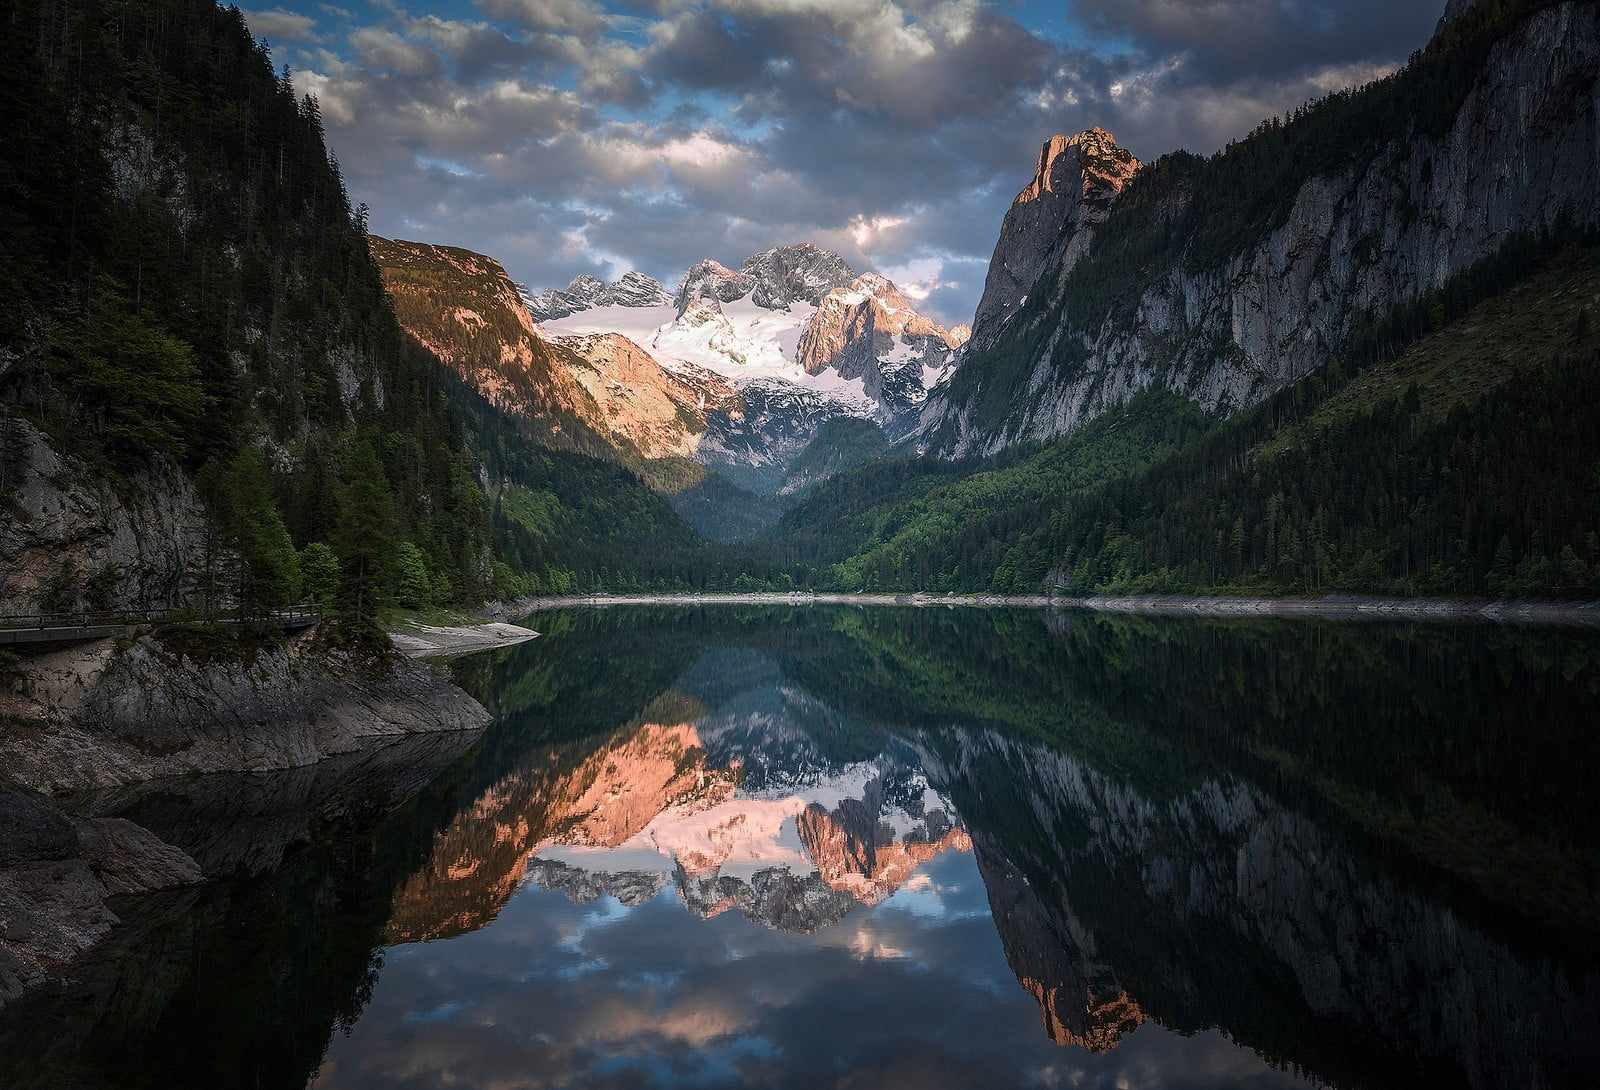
x=713, y=281
x=868, y=330
x=68, y=531
x=1393, y=216
x=1051, y=222
x=56, y=874
x=116, y=712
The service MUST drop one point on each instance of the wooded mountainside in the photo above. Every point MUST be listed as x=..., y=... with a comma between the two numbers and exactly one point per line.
x=185, y=283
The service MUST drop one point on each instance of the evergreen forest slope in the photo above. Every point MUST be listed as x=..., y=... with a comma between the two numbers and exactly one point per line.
x=189, y=317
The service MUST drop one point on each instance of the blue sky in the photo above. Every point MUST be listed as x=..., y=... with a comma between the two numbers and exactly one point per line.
x=575, y=136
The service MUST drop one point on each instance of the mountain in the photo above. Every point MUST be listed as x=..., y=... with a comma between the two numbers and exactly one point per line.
x=634, y=289
x=181, y=327
x=1051, y=223
x=1355, y=351
x=600, y=395
x=736, y=375
x=868, y=331
x=793, y=327
x=1226, y=278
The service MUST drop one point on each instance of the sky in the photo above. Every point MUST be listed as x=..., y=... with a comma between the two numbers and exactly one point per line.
x=602, y=136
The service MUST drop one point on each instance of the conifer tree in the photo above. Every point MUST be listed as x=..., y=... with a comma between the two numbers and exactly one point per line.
x=365, y=538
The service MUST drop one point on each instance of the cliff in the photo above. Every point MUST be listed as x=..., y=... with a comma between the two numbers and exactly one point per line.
x=1224, y=279
x=1051, y=222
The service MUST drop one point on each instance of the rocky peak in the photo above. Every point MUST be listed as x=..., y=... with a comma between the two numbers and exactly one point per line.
x=774, y=279
x=869, y=307
x=711, y=280
x=586, y=292
x=1052, y=220
x=635, y=289
x=787, y=274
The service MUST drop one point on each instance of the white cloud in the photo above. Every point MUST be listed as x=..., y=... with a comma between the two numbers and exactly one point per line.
x=278, y=25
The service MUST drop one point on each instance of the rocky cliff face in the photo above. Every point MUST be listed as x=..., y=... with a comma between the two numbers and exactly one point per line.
x=1397, y=217
x=868, y=330
x=66, y=529
x=1051, y=222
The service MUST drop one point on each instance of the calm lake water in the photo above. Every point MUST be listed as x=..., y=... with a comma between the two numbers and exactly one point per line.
x=894, y=848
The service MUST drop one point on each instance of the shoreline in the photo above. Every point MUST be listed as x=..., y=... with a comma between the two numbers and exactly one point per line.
x=420, y=641
x=1328, y=607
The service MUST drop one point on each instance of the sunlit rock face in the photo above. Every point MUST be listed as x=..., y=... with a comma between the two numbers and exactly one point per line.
x=1397, y=217
x=869, y=330
x=1051, y=221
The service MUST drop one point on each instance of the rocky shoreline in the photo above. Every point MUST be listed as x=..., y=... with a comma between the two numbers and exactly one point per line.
x=176, y=708
x=1328, y=607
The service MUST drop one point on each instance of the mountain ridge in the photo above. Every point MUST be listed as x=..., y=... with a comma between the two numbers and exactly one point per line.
x=1225, y=279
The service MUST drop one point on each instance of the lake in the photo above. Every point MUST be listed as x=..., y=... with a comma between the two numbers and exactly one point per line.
x=802, y=847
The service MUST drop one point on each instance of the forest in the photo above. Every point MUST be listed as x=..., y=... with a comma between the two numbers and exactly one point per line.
x=185, y=284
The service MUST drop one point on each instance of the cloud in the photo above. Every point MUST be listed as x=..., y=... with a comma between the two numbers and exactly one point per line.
x=278, y=25
x=683, y=129
x=1222, y=39
x=578, y=17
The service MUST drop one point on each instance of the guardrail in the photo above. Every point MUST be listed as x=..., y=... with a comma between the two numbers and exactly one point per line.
x=92, y=624
x=91, y=619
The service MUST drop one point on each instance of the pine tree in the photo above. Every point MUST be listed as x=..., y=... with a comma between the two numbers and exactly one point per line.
x=319, y=573
x=415, y=586
x=365, y=537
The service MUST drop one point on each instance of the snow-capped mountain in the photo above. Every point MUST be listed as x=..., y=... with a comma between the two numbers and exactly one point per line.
x=794, y=328
x=585, y=292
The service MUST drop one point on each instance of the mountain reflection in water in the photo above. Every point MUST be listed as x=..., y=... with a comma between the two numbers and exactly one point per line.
x=942, y=848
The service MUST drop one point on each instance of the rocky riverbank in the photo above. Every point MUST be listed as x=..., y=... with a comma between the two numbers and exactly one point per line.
x=166, y=705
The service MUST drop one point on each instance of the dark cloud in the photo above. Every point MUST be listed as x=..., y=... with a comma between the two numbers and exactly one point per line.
x=1223, y=39
x=650, y=135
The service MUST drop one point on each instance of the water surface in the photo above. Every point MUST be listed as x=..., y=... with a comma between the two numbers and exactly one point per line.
x=893, y=847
